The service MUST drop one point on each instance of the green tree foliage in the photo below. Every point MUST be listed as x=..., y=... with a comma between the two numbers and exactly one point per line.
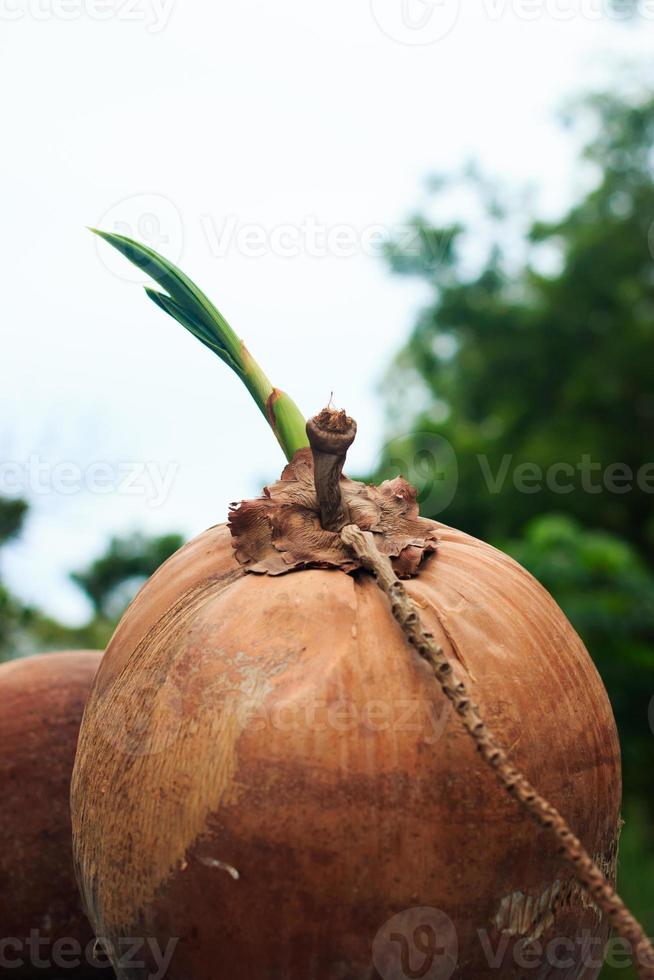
x=111, y=580
x=12, y=514
x=540, y=351
x=12, y=613
x=12, y=617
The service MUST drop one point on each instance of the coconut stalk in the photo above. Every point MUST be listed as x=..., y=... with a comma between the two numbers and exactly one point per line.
x=349, y=527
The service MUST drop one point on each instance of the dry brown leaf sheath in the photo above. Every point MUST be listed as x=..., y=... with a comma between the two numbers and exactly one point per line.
x=281, y=531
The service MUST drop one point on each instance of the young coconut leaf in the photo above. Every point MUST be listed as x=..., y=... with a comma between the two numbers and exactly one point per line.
x=187, y=304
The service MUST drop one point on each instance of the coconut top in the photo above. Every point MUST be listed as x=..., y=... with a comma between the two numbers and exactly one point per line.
x=281, y=531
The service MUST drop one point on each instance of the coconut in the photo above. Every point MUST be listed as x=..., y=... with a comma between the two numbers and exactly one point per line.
x=42, y=699
x=273, y=779
x=265, y=775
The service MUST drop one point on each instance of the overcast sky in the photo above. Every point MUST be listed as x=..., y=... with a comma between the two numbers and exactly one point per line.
x=262, y=145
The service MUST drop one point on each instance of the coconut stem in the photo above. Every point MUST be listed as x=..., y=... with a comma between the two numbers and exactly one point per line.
x=330, y=434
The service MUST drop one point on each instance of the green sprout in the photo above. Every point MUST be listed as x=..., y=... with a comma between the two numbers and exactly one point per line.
x=189, y=306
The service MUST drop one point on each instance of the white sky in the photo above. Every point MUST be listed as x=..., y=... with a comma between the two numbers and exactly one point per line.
x=185, y=121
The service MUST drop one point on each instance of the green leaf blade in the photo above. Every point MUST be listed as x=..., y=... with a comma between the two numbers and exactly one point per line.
x=194, y=326
x=181, y=289
x=189, y=306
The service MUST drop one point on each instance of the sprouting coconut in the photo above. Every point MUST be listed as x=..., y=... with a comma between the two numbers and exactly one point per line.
x=273, y=776
x=43, y=930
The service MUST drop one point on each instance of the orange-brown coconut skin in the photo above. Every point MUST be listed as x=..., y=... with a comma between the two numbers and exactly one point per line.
x=268, y=773
x=42, y=700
